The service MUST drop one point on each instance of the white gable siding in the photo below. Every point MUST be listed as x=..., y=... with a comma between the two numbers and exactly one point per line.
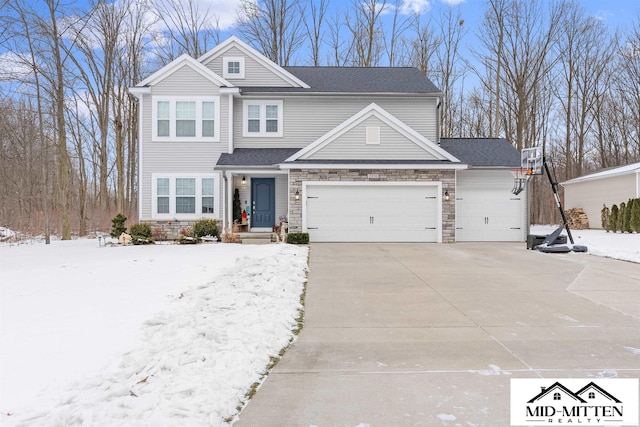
x=185, y=81
x=308, y=118
x=255, y=74
x=353, y=145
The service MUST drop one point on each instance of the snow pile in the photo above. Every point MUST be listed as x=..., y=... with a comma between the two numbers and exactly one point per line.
x=623, y=246
x=193, y=361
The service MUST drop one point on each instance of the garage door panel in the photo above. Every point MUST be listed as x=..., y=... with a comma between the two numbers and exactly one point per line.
x=486, y=210
x=372, y=213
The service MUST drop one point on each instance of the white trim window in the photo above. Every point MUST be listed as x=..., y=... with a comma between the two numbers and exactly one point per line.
x=262, y=118
x=192, y=119
x=185, y=196
x=233, y=67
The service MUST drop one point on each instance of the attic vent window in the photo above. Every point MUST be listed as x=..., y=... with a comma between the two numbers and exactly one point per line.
x=373, y=135
x=233, y=67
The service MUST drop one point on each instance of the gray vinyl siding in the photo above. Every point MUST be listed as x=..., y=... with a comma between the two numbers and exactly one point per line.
x=179, y=157
x=307, y=118
x=592, y=194
x=185, y=81
x=352, y=145
x=282, y=199
x=255, y=74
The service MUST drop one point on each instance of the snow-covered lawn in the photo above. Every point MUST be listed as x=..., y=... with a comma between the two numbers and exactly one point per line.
x=624, y=246
x=140, y=335
x=155, y=335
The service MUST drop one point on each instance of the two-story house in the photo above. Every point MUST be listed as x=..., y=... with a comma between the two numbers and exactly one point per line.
x=345, y=154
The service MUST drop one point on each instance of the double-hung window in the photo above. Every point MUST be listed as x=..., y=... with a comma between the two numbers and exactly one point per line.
x=184, y=196
x=263, y=118
x=208, y=190
x=162, y=195
x=186, y=119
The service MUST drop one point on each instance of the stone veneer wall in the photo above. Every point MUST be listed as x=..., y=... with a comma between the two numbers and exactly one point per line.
x=172, y=228
x=447, y=177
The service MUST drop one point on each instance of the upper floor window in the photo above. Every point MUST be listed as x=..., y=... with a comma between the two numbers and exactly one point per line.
x=191, y=119
x=262, y=118
x=233, y=67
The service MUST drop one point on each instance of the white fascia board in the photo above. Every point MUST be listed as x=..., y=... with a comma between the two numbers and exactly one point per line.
x=138, y=92
x=288, y=166
x=235, y=91
x=610, y=173
x=248, y=170
x=254, y=54
x=178, y=63
x=373, y=110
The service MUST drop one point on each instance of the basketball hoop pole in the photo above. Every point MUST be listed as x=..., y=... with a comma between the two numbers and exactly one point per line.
x=554, y=187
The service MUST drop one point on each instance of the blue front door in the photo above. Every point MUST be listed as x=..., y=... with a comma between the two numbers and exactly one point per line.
x=263, y=199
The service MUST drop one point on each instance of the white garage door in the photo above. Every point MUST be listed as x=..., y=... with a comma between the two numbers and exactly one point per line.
x=372, y=213
x=486, y=210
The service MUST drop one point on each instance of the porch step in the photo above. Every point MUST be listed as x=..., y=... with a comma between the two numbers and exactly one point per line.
x=256, y=238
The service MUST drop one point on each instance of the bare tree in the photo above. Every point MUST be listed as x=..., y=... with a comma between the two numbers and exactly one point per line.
x=59, y=108
x=528, y=36
x=97, y=45
x=452, y=31
x=628, y=90
x=423, y=46
x=314, y=27
x=275, y=27
x=399, y=24
x=339, y=49
x=586, y=51
x=187, y=27
x=367, y=32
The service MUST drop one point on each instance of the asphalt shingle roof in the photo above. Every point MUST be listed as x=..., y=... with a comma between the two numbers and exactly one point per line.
x=357, y=80
x=479, y=152
x=256, y=156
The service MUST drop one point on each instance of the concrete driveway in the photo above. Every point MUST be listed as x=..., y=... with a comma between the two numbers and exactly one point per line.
x=431, y=334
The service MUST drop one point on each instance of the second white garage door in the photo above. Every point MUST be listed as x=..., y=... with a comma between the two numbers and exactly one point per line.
x=486, y=210
x=372, y=213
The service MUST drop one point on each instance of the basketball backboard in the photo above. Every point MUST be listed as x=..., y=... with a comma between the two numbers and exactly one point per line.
x=531, y=160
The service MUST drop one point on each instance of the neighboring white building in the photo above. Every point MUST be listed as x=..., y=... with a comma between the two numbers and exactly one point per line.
x=345, y=154
x=610, y=186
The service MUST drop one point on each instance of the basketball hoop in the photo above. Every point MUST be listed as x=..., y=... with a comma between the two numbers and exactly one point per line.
x=520, y=178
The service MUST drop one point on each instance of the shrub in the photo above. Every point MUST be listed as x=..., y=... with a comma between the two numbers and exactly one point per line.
x=140, y=234
x=205, y=227
x=158, y=234
x=604, y=217
x=620, y=223
x=613, y=219
x=117, y=225
x=635, y=216
x=626, y=222
x=298, y=238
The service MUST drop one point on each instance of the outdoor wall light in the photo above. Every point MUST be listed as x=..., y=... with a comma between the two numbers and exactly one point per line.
x=446, y=195
x=244, y=180
x=297, y=195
